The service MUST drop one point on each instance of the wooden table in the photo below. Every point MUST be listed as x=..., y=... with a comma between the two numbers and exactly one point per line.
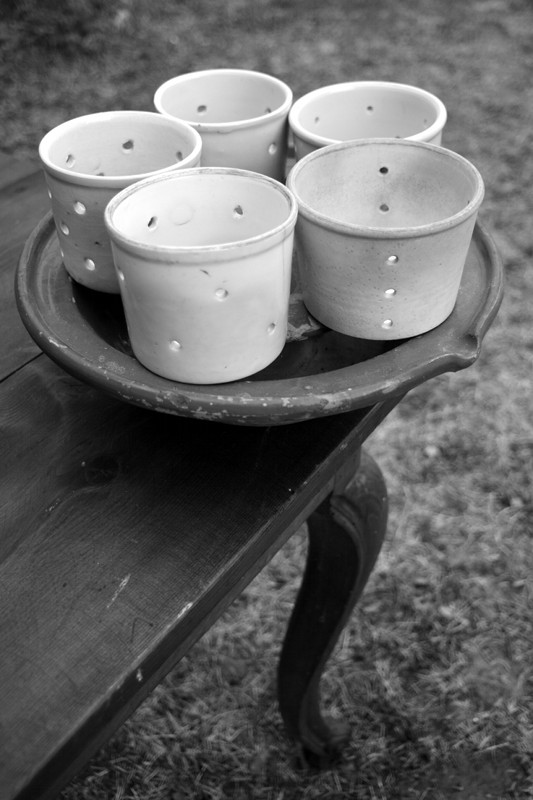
x=126, y=533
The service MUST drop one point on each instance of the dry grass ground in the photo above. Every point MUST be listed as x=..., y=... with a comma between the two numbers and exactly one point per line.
x=435, y=669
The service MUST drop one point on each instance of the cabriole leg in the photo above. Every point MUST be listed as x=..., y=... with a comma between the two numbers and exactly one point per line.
x=345, y=536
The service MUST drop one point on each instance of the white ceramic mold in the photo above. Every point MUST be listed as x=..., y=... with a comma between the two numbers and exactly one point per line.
x=88, y=160
x=240, y=114
x=365, y=110
x=383, y=231
x=204, y=260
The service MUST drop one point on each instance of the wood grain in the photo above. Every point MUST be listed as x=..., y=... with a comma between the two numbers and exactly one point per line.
x=23, y=202
x=124, y=535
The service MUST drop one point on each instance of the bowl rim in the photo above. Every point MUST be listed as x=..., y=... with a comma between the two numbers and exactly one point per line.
x=281, y=231
x=346, y=86
x=113, y=181
x=375, y=232
x=280, y=111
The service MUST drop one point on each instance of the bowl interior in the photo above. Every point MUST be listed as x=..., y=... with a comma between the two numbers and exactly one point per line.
x=386, y=185
x=221, y=97
x=201, y=209
x=119, y=146
x=365, y=112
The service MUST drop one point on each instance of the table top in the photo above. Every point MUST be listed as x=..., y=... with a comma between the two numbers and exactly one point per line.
x=113, y=556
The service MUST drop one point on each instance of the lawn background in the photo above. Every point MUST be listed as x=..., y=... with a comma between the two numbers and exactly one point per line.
x=434, y=671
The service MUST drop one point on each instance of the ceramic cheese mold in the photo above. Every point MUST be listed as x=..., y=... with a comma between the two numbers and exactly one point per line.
x=88, y=160
x=384, y=227
x=365, y=110
x=204, y=263
x=241, y=115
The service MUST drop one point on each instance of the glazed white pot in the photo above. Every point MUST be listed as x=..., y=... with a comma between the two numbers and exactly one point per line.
x=383, y=231
x=365, y=110
x=204, y=261
x=88, y=160
x=240, y=114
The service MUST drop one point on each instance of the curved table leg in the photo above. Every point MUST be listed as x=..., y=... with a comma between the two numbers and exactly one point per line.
x=345, y=536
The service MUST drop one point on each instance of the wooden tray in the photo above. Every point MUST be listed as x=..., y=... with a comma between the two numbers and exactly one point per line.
x=319, y=372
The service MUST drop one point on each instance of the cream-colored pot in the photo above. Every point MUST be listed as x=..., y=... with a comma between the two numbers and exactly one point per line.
x=240, y=114
x=88, y=160
x=383, y=231
x=365, y=110
x=204, y=262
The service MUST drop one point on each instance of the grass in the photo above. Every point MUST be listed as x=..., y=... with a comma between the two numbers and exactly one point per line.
x=434, y=670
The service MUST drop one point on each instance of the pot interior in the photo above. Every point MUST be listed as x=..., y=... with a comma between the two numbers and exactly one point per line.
x=119, y=147
x=366, y=113
x=384, y=185
x=221, y=97
x=201, y=209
